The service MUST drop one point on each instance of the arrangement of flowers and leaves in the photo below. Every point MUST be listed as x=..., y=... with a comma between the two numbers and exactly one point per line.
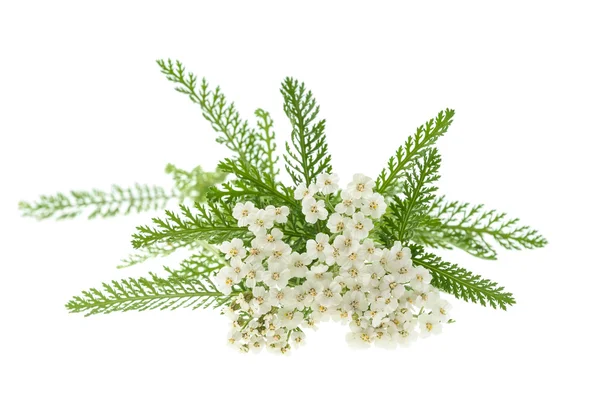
x=276, y=259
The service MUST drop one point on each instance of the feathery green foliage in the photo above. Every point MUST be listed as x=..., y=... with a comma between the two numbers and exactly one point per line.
x=97, y=203
x=235, y=133
x=155, y=250
x=307, y=155
x=470, y=227
x=202, y=263
x=251, y=183
x=389, y=180
x=433, y=237
x=462, y=283
x=213, y=222
x=267, y=136
x=194, y=184
x=408, y=213
x=414, y=217
x=147, y=294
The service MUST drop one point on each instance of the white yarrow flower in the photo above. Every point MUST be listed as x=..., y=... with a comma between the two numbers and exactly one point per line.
x=225, y=279
x=328, y=183
x=359, y=226
x=233, y=249
x=319, y=248
x=429, y=324
x=361, y=187
x=348, y=204
x=338, y=223
x=243, y=212
x=299, y=264
x=374, y=205
x=277, y=275
x=314, y=210
x=269, y=240
x=279, y=214
x=302, y=192
x=260, y=222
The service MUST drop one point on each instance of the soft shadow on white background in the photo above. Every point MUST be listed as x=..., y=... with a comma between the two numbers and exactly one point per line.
x=83, y=105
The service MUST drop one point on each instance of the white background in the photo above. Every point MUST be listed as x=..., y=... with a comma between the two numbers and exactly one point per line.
x=83, y=105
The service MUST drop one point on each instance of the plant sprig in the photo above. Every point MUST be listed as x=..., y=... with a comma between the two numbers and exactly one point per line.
x=462, y=283
x=416, y=216
x=307, y=155
x=147, y=294
x=390, y=178
x=212, y=222
x=471, y=227
x=97, y=203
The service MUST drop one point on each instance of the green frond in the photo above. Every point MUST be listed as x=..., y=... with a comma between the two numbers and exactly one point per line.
x=267, y=136
x=235, y=133
x=155, y=250
x=390, y=179
x=251, y=184
x=213, y=222
x=97, y=203
x=462, y=283
x=147, y=294
x=463, y=223
x=203, y=263
x=406, y=214
x=194, y=184
x=436, y=239
x=307, y=155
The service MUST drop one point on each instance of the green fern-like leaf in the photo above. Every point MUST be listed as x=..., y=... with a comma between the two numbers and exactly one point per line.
x=147, y=294
x=203, y=263
x=97, y=203
x=470, y=227
x=462, y=283
x=307, y=155
x=156, y=250
x=213, y=222
x=267, y=136
x=251, y=184
x=407, y=214
x=235, y=133
x=194, y=184
x=448, y=240
x=390, y=179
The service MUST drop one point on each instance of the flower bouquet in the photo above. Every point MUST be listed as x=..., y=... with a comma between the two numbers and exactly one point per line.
x=277, y=259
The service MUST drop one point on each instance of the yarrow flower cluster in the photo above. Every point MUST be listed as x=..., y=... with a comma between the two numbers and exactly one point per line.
x=343, y=275
x=291, y=257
